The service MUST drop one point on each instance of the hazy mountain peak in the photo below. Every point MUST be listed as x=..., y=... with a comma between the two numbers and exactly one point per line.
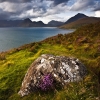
x=55, y=23
x=27, y=20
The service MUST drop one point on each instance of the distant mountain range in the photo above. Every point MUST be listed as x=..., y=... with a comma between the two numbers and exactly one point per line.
x=73, y=22
x=28, y=23
x=10, y=23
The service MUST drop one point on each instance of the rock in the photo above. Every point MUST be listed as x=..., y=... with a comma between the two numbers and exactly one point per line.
x=63, y=69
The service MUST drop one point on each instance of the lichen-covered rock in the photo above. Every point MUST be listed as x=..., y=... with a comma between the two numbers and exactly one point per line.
x=63, y=69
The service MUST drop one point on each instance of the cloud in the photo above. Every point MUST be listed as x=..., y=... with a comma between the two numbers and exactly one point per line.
x=21, y=9
x=48, y=18
x=16, y=1
x=3, y=15
x=13, y=9
x=97, y=9
x=97, y=6
x=56, y=2
x=16, y=9
x=97, y=14
x=56, y=10
x=82, y=5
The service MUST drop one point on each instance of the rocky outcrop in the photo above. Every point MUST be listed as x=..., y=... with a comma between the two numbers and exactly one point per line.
x=63, y=69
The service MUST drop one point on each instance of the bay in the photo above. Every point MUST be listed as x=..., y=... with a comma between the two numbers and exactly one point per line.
x=15, y=37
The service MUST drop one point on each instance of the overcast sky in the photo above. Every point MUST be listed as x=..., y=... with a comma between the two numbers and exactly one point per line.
x=47, y=10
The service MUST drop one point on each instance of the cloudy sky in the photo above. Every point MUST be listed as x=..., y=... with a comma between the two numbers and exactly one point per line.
x=47, y=10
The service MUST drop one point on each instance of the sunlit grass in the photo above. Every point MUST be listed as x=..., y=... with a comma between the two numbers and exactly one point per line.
x=16, y=64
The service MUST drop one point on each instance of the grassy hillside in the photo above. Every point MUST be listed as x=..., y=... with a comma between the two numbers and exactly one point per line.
x=80, y=22
x=84, y=44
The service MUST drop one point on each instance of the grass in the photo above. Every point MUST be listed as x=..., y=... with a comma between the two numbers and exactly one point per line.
x=14, y=65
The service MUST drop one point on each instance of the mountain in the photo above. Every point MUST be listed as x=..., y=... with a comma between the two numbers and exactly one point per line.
x=38, y=24
x=80, y=22
x=21, y=23
x=76, y=17
x=10, y=23
x=28, y=23
x=54, y=23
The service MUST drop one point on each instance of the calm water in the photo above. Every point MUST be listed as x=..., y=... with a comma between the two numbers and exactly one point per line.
x=15, y=37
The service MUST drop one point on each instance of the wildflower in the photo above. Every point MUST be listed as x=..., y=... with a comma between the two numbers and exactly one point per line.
x=46, y=83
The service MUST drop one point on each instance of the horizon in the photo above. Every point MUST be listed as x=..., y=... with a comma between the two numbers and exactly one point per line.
x=47, y=10
x=49, y=21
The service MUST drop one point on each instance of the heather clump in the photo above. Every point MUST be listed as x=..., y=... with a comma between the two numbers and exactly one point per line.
x=46, y=82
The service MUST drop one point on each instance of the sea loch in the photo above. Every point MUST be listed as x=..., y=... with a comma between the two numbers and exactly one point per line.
x=15, y=37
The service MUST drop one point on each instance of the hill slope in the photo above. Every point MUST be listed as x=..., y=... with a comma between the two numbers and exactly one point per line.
x=84, y=44
x=80, y=22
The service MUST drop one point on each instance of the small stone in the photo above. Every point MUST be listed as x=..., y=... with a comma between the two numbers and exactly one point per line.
x=52, y=61
x=54, y=68
x=62, y=71
x=65, y=81
x=25, y=89
x=55, y=75
x=77, y=60
x=73, y=62
x=42, y=60
x=76, y=67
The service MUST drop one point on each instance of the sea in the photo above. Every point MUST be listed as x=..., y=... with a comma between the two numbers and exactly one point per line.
x=14, y=37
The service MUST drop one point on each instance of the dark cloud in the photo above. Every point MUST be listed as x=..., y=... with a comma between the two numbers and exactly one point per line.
x=7, y=15
x=56, y=2
x=16, y=1
x=4, y=15
x=80, y=5
x=36, y=9
x=97, y=9
x=41, y=8
x=97, y=6
x=13, y=11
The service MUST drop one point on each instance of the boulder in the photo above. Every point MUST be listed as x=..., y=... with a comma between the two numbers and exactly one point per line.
x=63, y=69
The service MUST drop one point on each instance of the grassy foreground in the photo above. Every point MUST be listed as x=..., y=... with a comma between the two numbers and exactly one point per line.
x=84, y=44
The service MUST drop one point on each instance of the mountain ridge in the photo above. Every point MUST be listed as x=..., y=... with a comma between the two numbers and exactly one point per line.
x=76, y=17
x=53, y=23
x=80, y=22
x=28, y=23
